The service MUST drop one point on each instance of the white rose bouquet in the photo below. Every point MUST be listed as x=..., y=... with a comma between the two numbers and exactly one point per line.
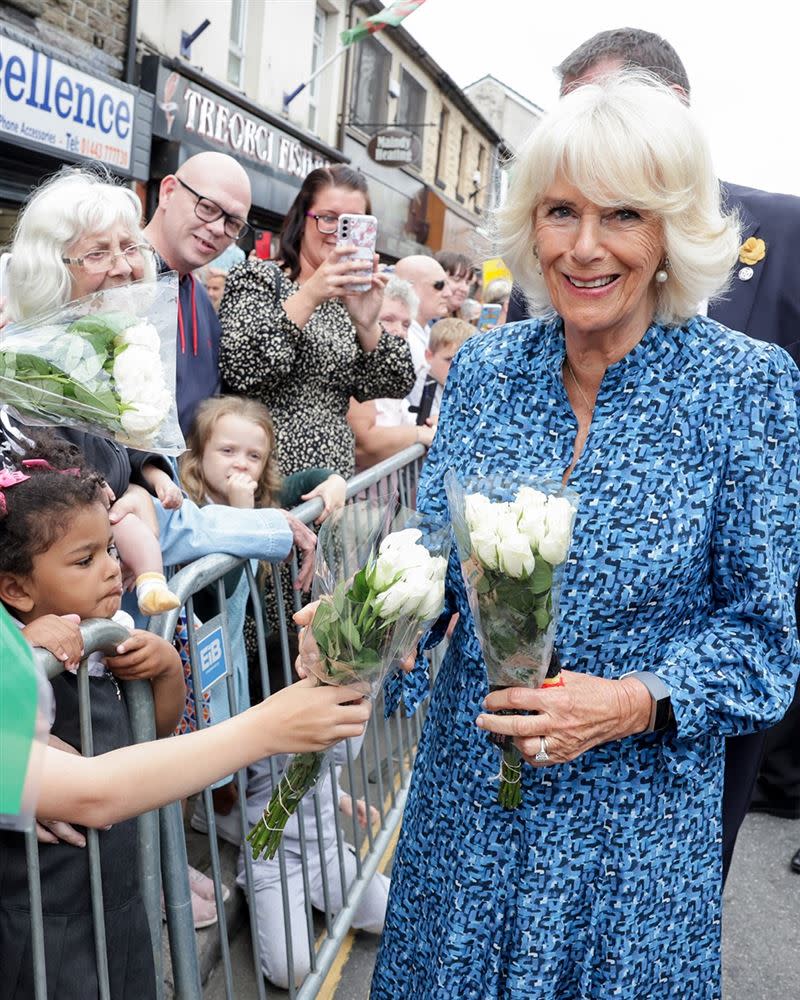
x=513, y=540
x=378, y=591
x=104, y=363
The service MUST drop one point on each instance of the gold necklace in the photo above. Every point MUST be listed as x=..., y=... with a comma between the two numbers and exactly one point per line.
x=589, y=406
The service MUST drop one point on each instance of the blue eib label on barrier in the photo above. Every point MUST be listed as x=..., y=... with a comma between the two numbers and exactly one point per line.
x=211, y=653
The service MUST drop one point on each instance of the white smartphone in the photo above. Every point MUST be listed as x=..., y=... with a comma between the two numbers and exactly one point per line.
x=361, y=232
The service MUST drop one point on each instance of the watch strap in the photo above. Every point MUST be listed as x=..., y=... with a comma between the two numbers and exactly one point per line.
x=661, y=702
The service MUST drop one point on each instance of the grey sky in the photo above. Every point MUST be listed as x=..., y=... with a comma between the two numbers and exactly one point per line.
x=742, y=59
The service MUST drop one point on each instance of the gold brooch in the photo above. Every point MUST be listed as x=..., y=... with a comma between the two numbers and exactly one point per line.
x=752, y=251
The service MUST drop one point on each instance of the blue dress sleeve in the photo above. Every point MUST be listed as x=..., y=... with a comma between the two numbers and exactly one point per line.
x=191, y=532
x=734, y=672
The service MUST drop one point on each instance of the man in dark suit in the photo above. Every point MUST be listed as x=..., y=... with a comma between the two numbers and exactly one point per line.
x=763, y=302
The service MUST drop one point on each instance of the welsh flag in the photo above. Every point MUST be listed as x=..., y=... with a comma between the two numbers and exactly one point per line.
x=389, y=17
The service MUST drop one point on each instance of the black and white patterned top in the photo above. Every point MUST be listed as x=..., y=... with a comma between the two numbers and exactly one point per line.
x=305, y=377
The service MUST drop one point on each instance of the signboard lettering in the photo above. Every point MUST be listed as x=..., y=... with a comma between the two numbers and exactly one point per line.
x=395, y=147
x=48, y=102
x=192, y=110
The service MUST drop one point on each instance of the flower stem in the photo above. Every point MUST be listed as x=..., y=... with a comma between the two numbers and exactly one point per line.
x=509, y=794
x=299, y=777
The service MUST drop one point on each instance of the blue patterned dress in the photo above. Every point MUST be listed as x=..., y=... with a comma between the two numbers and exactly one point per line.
x=606, y=883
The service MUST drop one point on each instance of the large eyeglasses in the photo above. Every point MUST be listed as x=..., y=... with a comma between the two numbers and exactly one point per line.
x=209, y=211
x=100, y=261
x=327, y=225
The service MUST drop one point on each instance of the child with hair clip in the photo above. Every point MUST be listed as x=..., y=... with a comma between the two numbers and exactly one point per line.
x=59, y=566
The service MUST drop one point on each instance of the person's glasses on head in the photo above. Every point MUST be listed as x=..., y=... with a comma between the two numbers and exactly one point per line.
x=327, y=225
x=209, y=211
x=100, y=261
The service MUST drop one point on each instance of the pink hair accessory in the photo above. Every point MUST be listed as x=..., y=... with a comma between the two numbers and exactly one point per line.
x=13, y=477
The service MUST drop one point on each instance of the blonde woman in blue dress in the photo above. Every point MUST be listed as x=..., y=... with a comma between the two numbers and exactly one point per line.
x=681, y=438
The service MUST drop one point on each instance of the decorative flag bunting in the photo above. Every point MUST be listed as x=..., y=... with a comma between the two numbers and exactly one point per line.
x=389, y=17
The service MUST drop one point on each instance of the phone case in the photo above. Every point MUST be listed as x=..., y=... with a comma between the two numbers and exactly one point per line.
x=362, y=232
x=490, y=314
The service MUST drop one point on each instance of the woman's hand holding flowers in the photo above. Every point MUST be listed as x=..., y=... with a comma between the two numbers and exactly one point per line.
x=585, y=712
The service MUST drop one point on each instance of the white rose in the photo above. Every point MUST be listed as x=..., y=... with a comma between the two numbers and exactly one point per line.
x=431, y=606
x=484, y=545
x=138, y=374
x=515, y=556
x=530, y=499
x=400, y=539
x=554, y=546
x=506, y=524
x=142, y=334
x=393, y=561
x=475, y=507
x=405, y=596
x=142, y=421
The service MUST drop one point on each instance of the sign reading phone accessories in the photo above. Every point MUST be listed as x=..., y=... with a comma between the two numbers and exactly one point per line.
x=47, y=103
x=185, y=111
x=395, y=147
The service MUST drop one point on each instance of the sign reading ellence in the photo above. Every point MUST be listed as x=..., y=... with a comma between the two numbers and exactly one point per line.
x=48, y=103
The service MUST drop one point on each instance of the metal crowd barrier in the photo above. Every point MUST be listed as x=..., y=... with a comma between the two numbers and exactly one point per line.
x=382, y=781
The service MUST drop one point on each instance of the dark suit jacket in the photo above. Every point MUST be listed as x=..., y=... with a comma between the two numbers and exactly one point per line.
x=767, y=306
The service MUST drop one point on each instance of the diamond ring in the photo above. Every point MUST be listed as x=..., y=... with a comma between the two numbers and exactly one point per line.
x=542, y=757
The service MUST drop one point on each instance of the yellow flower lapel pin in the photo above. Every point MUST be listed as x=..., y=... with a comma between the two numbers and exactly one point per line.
x=751, y=252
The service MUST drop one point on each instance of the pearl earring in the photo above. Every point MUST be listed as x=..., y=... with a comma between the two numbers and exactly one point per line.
x=661, y=276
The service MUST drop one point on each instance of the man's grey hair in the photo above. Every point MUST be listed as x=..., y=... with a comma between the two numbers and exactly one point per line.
x=403, y=291
x=636, y=48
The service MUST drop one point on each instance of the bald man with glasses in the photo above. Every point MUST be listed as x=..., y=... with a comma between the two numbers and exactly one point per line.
x=202, y=209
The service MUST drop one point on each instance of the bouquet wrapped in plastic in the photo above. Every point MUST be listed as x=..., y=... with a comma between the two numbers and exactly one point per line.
x=104, y=363
x=378, y=590
x=513, y=535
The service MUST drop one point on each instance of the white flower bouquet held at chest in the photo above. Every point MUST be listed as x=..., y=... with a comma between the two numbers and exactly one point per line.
x=513, y=535
x=104, y=364
x=379, y=590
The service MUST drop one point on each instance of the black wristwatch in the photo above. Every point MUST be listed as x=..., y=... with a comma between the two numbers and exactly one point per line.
x=660, y=701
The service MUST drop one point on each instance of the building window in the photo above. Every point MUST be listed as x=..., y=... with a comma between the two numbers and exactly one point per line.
x=236, y=42
x=317, y=57
x=462, y=163
x=441, y=152
x=411, y=109
x=370, y=85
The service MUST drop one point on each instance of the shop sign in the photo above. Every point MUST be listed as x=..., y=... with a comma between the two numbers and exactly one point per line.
x=48, y=103
x=186, y=111
x=394, y=147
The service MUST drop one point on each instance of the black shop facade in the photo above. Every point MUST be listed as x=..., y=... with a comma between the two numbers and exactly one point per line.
x=194, y=113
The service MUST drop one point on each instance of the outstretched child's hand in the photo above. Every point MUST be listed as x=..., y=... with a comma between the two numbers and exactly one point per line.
x=346, y=807
x=311, y=716
x=143, y=656
x=61, y=635
x=332, y=491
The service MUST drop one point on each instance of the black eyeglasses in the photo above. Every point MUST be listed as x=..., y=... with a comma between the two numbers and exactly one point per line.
x=209, y=211
x=439, y=285
x=327, y=225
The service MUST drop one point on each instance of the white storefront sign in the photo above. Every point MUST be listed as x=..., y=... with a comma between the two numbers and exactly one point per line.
x=46, y=102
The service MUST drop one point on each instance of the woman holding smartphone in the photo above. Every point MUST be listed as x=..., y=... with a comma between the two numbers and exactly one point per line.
x=298, y=337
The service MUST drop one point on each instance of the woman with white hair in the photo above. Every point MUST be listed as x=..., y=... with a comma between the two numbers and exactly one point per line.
x=677, y=621
x=80, y=233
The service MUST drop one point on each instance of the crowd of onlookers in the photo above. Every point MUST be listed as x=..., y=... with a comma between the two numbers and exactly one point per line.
x=287, y=383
